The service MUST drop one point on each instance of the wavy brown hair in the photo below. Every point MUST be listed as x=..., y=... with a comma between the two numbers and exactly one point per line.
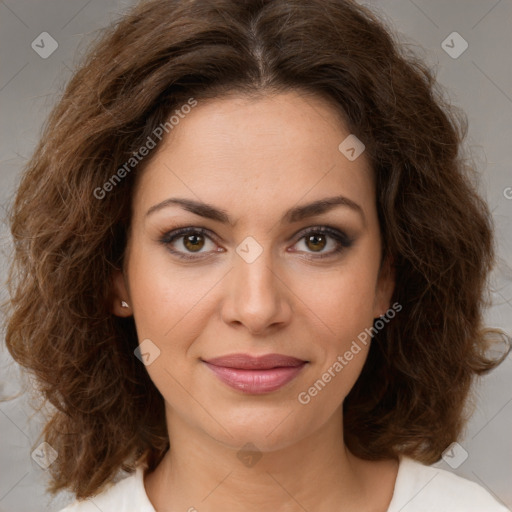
x=107, y=414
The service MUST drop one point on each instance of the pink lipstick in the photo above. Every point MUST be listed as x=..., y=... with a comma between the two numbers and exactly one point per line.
x=255, y=375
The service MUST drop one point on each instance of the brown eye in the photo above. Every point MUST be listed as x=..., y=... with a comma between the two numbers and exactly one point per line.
x=316, y=242
x=190, y=243
x=325, y=241
x=193, y=242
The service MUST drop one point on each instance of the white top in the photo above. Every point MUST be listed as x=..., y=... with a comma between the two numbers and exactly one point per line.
x=418, y=488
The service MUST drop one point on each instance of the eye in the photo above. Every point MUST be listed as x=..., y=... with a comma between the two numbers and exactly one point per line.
x=191, y=240
x=188, y=243
x=316, y=239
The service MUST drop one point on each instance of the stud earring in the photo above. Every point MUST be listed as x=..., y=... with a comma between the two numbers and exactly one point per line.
x=124, y=304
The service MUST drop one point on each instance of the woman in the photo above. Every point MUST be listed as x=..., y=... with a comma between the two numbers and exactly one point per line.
x=237, y=247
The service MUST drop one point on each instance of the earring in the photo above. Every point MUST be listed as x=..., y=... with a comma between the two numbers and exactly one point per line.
x=124, y=304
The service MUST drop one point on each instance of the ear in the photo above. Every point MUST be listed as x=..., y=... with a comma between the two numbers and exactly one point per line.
x=385, y=287
x=119, y=295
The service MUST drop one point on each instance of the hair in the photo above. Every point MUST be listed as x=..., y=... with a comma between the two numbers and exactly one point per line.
x=106, y=413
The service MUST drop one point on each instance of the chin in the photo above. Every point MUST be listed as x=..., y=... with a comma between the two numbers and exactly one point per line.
x=267, y=428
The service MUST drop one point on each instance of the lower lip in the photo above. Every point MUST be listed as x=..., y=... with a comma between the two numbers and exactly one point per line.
x=256, y=382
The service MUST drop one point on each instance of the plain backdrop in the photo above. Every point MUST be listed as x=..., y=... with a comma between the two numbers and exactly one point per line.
x=479, y=80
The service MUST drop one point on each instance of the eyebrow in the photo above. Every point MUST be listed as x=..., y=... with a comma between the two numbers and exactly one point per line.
x=294, y=214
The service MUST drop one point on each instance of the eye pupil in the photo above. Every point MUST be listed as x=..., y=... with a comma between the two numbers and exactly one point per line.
x=316, y=239
x=196, y=241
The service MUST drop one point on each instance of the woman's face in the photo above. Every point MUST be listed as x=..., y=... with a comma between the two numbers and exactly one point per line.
x=254, y=274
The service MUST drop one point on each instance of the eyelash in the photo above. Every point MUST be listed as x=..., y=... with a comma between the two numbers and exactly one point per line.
x=341, y=239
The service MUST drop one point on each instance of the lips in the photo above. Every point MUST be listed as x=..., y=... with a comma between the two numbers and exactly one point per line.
x=247, y=362
x=256, y=375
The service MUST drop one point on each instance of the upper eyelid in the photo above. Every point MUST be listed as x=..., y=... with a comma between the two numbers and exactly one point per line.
x=179, y=232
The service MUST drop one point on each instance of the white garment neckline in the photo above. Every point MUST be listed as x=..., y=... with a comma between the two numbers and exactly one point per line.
x=148, y=507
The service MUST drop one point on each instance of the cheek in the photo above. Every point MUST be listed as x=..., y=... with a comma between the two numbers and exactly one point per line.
x=341, y=305
x=166, y=297
x=169, y=309
x=341, y=345
x=343, y=301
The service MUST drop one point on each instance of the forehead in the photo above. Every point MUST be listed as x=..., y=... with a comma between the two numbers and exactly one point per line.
x=239, y=149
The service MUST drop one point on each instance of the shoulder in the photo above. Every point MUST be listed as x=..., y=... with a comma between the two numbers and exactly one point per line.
x=125, y=495
x=421, y=488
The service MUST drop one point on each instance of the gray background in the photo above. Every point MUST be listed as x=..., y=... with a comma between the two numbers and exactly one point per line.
x=479, y=81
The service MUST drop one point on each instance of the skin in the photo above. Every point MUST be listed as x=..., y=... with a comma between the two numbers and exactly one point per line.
x=255, y=159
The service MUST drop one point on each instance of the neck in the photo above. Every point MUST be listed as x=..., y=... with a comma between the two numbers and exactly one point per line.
x=316, y=473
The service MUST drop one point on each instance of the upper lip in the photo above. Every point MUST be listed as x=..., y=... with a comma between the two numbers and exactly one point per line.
x=248, y=362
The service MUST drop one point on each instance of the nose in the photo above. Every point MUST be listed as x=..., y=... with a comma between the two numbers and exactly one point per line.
x=256, y=296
